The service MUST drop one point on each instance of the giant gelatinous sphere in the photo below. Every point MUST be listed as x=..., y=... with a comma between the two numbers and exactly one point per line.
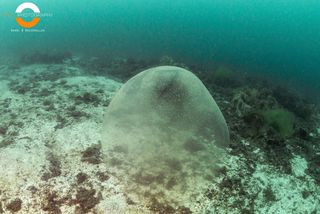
x=164, y=130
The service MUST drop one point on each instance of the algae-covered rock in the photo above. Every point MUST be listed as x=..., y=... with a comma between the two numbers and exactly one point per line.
x=164, y=134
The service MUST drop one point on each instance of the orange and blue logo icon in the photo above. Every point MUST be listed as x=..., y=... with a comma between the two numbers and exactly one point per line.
x=34, y=21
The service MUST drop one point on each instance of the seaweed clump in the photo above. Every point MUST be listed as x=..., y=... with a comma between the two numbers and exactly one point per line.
x=281, y=120
x=3, y=130
x=54, y=168
x=247, y=100
x=86, y=200
x=81, y=177
x=51, y=203
x=92, y=154
x=15, y=205
x=269, y=195
x=7, y=141
x=163, y=208
x=88, y=98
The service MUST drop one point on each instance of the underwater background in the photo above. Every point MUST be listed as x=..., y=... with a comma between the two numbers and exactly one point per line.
x=277, y=39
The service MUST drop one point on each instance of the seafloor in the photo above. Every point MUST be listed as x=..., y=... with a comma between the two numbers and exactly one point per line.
x=51, y=114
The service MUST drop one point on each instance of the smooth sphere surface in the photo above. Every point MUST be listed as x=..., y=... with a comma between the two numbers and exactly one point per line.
x=163, y=129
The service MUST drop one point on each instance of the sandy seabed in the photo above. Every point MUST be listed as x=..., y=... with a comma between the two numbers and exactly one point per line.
x=50, y=122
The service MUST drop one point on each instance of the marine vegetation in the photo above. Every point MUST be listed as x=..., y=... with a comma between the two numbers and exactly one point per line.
x=280, y=119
